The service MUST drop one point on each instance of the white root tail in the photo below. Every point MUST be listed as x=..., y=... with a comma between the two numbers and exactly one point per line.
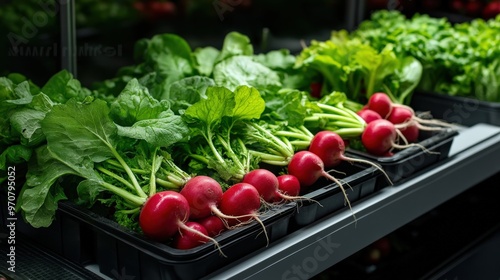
x=330, y=177
x=183, y=226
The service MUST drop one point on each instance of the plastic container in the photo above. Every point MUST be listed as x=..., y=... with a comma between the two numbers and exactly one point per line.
x=88, y=238
x=361, y=180
x=408, y=161
x=456, y=109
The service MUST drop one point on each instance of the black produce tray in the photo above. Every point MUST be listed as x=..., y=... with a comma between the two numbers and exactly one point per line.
x=85, y=237
x=358, y=182
x=457, y=109
x=408, y=161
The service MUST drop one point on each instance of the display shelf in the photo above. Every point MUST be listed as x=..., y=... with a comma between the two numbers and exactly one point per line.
x=307, y=251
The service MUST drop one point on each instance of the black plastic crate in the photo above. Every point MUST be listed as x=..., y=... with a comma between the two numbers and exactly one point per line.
x=358, y=181
x=85, y=237
x=456, y=109
x=408, y=161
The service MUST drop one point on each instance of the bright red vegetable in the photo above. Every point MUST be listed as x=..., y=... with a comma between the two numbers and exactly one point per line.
x=308, y=168
x=204, y=195
x=186, y=239
x=268, y=185
x=163, y=214
x=213, y=224
x=241, y=199
x=379, y=137
x=369, y=115
x=288, y=185
x=402, y=115
x=330, y=148
x=380, y=103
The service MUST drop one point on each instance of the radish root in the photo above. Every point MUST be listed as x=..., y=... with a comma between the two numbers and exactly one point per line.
x=349, y=159
x=183, y=226
x=335, y=180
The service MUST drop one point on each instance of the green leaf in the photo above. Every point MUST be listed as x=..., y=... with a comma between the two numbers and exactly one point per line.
x=205, y=58
x=88, y=192
x=26, y=122
x=135, y=104
x=22, y=94
x=170, y=56
x=334, y=98
x=277, y=59
x=77, y=131
x=242, y=70
x=13, y=155
x=188, y=91
x=62, y=86
x=408, y=75
x=235, y=44
x=164, y=131
x=248, y=104
x=209, y=112
x=38, y=199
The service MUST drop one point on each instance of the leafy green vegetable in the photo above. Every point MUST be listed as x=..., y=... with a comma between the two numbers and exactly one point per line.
x=458, y=59
x=243, y=70
x=354, y=67
x=62, y=86
x=214, y=118
x=235, y=44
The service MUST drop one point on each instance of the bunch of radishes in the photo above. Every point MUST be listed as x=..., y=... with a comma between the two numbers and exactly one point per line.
x=202, y=210
x=392, y=126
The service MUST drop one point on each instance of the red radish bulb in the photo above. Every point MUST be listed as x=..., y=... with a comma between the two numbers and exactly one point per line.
x=308, y=168
x=289, y=184
x=264, y=181
x=380, y=103
x=188, y=239
x=239, y=200
x=162, y=214
x=330, y=147
x=369, y=115
x=213, y=224
x=203, y=194
x=401, y=115
x=379, y=137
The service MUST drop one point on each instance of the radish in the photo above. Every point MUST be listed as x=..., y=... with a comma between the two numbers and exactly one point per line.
x=410, y=129
x=203, y=195
x=380, y=103
x=264, y=181
x=213, y=224
x=369, y=115
x=330, y=148
x=289, y=184
x=240, y=200
x=379, y=137
x=164, y=214
x=308, y=168
x=187, y=239
x=268, y=185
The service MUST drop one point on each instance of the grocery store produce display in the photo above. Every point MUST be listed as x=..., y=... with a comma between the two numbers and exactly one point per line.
x=146, y=144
